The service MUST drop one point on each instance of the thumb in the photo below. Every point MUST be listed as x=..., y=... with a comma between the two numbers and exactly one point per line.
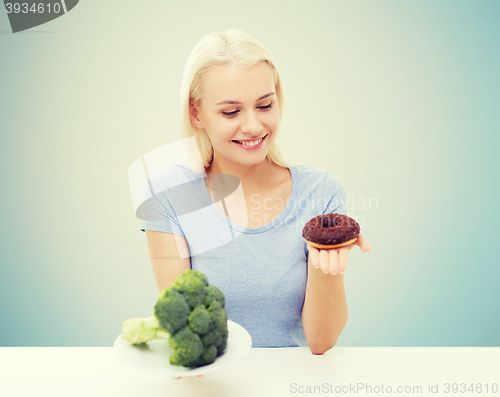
x=362, y=243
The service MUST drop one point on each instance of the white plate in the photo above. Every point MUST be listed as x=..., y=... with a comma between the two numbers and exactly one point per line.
x=155, y=357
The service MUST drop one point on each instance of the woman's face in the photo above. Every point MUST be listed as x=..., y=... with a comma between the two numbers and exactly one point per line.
x=239, y=105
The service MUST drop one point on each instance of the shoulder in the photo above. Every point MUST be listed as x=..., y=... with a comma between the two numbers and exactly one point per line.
x=310, y=171
x=169, y=176
x=173, y=175
x=324, y=188
x=314, y=176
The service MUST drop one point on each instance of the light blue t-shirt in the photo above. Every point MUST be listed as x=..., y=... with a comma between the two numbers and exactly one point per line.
x=261, y=271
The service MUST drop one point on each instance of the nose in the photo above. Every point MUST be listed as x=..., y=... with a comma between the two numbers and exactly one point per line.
x=252, y=125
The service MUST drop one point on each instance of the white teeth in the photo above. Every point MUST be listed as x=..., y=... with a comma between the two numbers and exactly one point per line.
x=251, y=143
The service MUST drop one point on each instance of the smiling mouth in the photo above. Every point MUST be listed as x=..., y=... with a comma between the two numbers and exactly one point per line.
x=254, y=142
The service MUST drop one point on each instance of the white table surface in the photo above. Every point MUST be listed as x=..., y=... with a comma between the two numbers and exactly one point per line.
x=96, y=371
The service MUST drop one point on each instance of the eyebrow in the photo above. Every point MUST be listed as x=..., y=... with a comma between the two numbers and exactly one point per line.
x=239, y=103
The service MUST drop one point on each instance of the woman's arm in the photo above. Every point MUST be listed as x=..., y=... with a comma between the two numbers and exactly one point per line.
x=324, y=314
x=165, y=258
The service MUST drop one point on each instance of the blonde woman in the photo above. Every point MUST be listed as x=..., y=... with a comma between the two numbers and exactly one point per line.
x=284, y=292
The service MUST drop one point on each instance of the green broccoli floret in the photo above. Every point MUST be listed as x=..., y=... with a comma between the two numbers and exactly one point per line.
x=201, y=276
x=192, y=287
x=199, y=320
x=208, y=356
x=222, y=347
x=172, y=310
x=217, y=336
x=187, y=348
x=213, y=293
x=191, y=315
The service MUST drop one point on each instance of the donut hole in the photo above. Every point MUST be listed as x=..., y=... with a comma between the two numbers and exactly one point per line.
x=328, y=222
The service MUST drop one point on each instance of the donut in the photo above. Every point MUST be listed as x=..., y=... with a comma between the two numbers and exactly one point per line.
x=330, y=231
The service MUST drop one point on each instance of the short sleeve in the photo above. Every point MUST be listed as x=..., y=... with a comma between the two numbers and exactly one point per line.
x=335, y=196
x=157, y=213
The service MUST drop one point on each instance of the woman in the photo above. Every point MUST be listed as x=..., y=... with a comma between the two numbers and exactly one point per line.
x=284, y=292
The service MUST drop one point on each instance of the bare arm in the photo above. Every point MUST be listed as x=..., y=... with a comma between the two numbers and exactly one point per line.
x=165, y=257
x=324, y=314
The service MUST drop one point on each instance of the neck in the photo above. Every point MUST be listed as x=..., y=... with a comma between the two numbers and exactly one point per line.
x=251, y=176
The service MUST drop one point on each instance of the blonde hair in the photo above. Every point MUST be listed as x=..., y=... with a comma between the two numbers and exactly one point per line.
x=219, y=49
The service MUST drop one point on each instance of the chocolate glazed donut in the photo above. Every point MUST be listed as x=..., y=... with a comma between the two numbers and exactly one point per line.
x=331, y=231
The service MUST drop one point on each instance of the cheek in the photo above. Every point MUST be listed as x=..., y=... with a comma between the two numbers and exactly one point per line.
x=271, y=121
x=222, y=133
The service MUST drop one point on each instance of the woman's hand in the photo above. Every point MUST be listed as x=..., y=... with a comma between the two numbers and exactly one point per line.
x=335, y=260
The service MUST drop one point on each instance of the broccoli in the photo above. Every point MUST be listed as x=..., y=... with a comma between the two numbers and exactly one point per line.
x=191, y=315
x=213, y=293
x=192, y=287
x=187, y=348
x=217, y=335
x=172, y=310
x=199, y=320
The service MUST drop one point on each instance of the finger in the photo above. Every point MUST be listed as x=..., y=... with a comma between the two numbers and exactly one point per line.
x=176, y=377
x=314, y=256
x=343, y=260
x=334, y=262
x=323, y=261
x=362, y=243
x=199, y=376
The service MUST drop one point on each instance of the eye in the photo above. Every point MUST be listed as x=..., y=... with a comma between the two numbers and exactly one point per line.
x=230, y=114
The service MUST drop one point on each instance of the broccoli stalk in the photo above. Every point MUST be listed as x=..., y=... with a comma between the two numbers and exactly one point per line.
x=140, y=330
x=191, y=315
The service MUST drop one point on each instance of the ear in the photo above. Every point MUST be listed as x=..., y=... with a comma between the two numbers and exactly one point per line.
x=193, y=116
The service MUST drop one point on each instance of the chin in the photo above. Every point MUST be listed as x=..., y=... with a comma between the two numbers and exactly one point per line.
x=250, y=161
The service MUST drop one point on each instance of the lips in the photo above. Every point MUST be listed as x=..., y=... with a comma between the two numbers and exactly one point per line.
x=252, y=147
x=249, y=140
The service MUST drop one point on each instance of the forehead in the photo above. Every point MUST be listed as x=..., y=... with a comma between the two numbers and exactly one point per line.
x=230, y=82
